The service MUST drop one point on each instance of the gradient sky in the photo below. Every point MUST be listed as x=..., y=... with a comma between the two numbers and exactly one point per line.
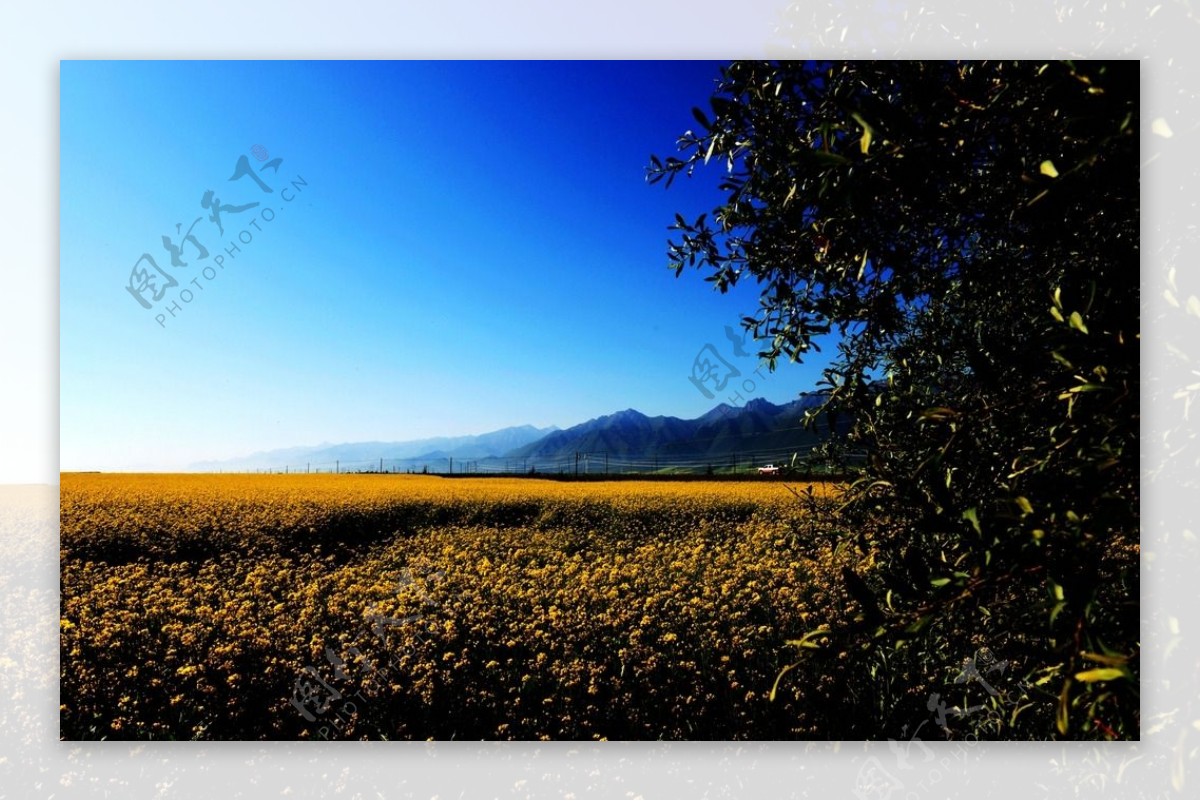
x=473, y=246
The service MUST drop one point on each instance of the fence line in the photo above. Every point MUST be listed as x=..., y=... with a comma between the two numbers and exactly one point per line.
x=578, y=463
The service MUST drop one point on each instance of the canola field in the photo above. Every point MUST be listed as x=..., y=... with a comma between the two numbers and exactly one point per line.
x=418, y=607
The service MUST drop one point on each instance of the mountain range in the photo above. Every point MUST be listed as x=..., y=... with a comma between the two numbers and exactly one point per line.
x=756, y=433
x=355, y=454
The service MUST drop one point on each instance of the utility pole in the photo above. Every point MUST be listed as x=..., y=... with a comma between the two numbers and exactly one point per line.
x=337, y=465
x=577, y=463
x=451, y=464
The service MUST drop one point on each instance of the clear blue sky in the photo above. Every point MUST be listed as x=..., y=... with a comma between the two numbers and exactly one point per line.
x=473, y=246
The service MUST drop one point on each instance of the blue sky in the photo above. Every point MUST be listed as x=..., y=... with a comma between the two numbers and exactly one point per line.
x=453, y=247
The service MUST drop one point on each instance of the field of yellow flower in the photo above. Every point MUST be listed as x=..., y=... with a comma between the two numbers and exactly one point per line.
x=414, y=607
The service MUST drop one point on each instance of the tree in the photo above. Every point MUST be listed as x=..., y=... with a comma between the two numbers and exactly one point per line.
x=971, y=232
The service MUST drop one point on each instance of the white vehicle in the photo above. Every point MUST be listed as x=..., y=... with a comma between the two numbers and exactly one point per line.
x=769, y=470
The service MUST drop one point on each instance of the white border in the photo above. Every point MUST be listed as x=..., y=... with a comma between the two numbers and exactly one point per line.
x=33, y=37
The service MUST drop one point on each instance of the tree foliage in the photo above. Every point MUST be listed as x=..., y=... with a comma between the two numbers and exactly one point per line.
x=971, y=232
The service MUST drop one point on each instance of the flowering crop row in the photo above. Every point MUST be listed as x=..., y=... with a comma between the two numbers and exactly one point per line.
x=194, y=607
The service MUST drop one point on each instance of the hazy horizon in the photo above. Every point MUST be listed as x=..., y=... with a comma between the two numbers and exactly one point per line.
x=232, y=458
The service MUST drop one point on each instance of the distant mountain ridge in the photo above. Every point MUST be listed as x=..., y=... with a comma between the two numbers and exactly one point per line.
x=724, y=433
x=628, y=440
x=480, y=446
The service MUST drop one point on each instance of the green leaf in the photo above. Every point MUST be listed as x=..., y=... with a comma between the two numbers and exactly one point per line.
x=807, y=641
x=1082, y=388
x=1077, y=322
x=920, y=623
x=1106, y=659
x=972, y=517
x=864, y=144
x=787, y=669
x=1047, y=168
x=1100, y=674
x=830, y=159
x=1058, y=357
x=1063, y=716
